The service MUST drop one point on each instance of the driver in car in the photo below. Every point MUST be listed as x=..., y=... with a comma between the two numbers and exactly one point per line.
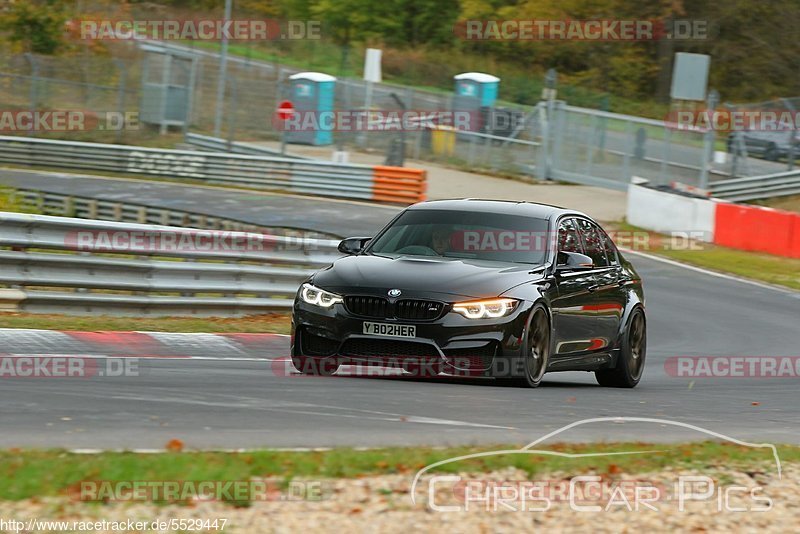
x=440, y=240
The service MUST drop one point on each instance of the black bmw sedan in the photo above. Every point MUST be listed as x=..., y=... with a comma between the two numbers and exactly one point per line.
x=507, y=290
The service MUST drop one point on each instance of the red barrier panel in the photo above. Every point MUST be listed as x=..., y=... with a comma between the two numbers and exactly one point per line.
x=726, y=224
x=755, y=229
x=794, y=245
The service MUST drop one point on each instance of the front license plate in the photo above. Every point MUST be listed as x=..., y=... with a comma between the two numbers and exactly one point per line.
x=390, y=330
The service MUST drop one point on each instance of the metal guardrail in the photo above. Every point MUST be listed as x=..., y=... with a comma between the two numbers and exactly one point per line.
x=313, y=177
x=61, y=205
x=215, y=144
x=79, y=266
x=757, y=187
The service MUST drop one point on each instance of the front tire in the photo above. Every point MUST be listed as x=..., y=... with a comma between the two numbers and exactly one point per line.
x=630, y=364
x=536, y=355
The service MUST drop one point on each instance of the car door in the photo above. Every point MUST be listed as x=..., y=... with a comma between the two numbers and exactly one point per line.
x=608, y=298
x=573, y=316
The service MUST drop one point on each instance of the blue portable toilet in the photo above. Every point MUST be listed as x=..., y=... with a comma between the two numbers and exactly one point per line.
x=477, y=85
x=312, y=92
x=474, y=91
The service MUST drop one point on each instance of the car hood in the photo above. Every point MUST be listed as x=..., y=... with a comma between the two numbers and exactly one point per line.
x=417, y=277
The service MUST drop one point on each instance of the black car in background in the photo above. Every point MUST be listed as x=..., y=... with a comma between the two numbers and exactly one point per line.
x=770, y=145
x=500, y=289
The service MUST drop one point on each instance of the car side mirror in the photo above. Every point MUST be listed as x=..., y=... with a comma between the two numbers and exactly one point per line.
x=353, y=245
x=573, y=261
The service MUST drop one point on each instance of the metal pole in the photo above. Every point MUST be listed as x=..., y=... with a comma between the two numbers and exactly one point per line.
x=559, y=132
x=708, y=139
x=33, y=88
x=165, y=77
x=223, y=65
x=733, y=144
x=626, y=158
x=190, y=95
x=665, y=156
x=121, y=96
x=792, y=135
x=402, y=155
x=363, y=136
x=548, y=95
x=232, y=119
x=472, y=148
x=590, y=137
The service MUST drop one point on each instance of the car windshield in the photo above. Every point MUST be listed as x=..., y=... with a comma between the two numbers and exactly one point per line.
x=471, y=235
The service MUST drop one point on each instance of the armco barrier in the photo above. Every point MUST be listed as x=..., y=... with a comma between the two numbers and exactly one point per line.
x=397, y=184
x=756, y=187
x=755, y=229
x=323, y=178
x=61, y=205
x=79, y=266
x=216, y=144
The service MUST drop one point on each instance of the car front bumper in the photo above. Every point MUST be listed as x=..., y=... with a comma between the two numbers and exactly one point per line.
x=451, y=345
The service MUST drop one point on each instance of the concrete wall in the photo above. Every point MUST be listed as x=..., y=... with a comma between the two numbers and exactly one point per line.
x=669, y=213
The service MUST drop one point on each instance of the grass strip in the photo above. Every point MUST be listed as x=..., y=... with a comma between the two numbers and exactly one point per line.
x=759, y=266
x=36, y=473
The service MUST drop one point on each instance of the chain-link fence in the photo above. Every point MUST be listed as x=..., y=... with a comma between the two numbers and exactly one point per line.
x=551, y=140
x=86, y=84
x=608, y=149
x=773, y=138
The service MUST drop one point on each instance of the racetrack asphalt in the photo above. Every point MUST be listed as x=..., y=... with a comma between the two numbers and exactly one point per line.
x=231, y=400
x=273, y=210
x=247, y=400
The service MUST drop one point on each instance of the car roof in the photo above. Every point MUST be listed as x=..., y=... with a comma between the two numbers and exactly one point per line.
x=511, y=207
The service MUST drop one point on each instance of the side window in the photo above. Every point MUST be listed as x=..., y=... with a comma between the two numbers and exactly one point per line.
x=593, y=243
x=611, y=248
x=568, y=237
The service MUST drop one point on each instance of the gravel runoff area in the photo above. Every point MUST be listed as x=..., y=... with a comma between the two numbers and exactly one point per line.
x=382, y=504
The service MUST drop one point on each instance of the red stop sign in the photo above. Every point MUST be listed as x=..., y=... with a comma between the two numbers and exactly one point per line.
x=285, y=110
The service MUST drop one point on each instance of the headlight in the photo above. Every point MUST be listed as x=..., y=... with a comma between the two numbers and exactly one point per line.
x=485, y=309
x=318, y=297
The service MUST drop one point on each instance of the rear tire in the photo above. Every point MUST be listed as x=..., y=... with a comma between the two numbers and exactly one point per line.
x=630, y=364
x=771, y=153
x=315, y=366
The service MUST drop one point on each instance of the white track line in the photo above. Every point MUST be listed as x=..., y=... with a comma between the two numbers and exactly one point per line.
x=731, y=277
